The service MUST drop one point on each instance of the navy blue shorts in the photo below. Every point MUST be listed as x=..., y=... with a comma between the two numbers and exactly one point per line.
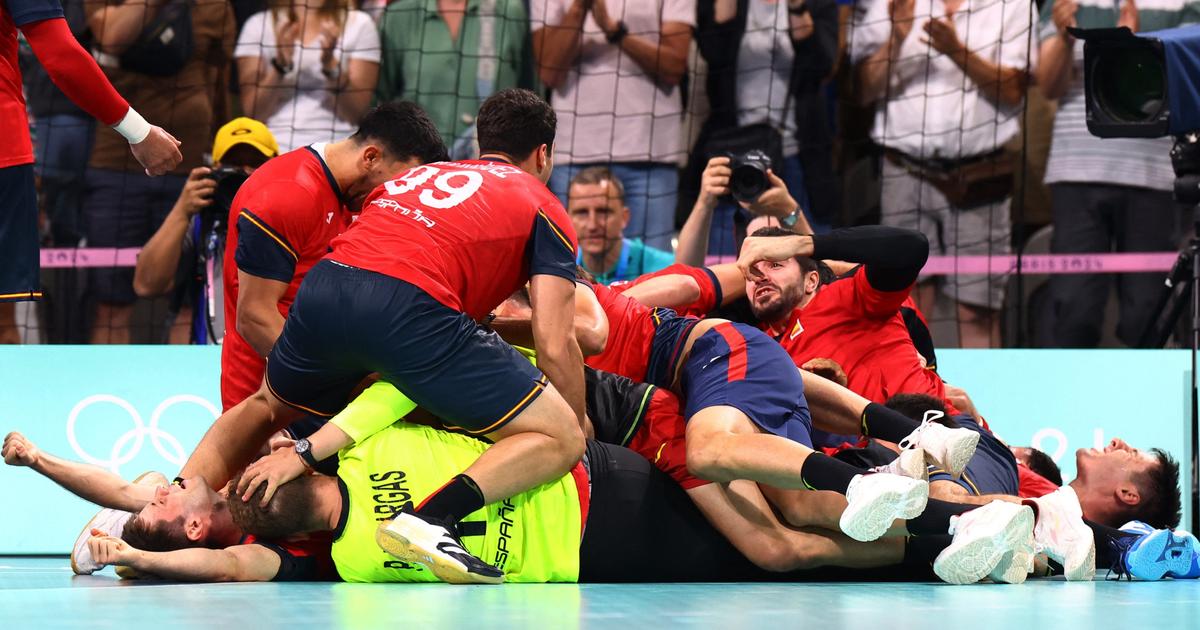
x=20, y=256
x=736, y=365
x=348, y=322
x=124, y=209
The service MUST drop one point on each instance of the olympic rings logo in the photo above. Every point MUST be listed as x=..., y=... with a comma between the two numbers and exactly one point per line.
x=130, y=444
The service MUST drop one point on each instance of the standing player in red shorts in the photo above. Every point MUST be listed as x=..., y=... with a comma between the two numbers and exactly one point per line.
x=77, y=75
x=433, y=252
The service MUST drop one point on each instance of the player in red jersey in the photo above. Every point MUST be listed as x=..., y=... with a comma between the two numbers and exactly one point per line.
x=283, y=219
x=855, y=321
x=399, y=295
x=77, y=75
x=185, y=514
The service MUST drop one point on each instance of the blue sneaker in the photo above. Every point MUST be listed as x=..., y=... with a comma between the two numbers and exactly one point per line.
x=1157, y=553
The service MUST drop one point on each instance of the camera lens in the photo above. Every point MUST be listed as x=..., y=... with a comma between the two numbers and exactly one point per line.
x=1130, y=84
x=747, y=182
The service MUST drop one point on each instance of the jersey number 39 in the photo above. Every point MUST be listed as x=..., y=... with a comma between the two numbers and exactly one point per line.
x=449, y=188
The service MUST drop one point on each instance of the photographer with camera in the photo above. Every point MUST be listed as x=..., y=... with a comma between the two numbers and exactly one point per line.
x=173, y=259
x=749, y=181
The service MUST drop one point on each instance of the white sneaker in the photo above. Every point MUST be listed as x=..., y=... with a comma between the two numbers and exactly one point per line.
x=1015, y=566
x=412, y=537
x=910, y=463
x=1061, y=534
x=982, y=537
x=110, y=521
x=946, y=448
x=875, y=501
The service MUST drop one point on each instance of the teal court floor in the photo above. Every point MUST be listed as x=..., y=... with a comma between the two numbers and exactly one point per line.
x=42, y=593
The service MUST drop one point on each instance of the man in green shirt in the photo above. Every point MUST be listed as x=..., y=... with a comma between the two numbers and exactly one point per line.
x=596, y=204
x=450, y=56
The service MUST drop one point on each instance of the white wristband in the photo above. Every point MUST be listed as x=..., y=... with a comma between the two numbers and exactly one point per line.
x=133, y=127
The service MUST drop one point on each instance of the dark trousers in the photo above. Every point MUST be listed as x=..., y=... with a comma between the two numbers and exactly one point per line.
x=1091, y=218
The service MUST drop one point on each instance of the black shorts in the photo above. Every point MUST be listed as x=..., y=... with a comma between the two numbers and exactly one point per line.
x=20, y=256
x=347, y=323
x=616, y=405
x=642, y=527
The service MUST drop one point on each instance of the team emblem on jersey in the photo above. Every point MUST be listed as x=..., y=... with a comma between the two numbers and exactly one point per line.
x=796, y=330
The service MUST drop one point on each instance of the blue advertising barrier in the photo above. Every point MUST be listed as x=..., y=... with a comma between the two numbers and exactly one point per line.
x=136, y=408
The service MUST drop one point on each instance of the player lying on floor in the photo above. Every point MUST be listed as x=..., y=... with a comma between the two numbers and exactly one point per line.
x=1115, y=485
x=639, y=525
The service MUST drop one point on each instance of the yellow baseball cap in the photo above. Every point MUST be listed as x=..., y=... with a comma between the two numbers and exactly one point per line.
x=244, y=131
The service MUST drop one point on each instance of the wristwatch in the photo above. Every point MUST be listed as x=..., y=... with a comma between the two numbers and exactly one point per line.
x=304, y=450
x=616, y=36
x=790, y=220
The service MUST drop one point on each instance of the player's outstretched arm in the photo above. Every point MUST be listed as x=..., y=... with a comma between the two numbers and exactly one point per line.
x=240, y=563
x=559, y=357
x=75, y=73
x=85, y=481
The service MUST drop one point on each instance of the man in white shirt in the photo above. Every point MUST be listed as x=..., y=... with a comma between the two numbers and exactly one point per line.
x=949, y=77
x=614, y=67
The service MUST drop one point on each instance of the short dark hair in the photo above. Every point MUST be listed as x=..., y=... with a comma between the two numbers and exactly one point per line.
x=404, y=130
x=1040, y=463
x=807, y=264
x=515, y=122
x=283, y=516
x=1159, y=488
x=599, y=175
x=143, y=534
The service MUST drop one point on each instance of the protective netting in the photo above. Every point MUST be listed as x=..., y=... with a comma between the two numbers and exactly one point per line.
x=914, y=113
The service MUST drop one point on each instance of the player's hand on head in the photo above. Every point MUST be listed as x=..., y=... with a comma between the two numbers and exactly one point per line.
x=756, y=249
x=158, y=152
x=109, y=549
x=19, y=451
x=274, y=470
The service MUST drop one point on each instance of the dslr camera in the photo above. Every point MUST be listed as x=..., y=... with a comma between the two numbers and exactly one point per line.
x=749, y=177
x=229, y=180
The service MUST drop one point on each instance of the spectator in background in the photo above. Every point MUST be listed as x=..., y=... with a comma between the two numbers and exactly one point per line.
x=614, y=67
x=767, y=60
x=1110, y=194
x=173, y=260
x=448, y=56
x=949, y=78
x=775, y=203
x=123, y=206
x=308, y=69
x=596, y=204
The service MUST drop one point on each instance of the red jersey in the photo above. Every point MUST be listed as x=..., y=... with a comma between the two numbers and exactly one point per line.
x=860, y=327
x=280, y=224
x=17, y=148
x=1031, y=485
x=710, y=288
x=630, y=335
x=467, y=233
